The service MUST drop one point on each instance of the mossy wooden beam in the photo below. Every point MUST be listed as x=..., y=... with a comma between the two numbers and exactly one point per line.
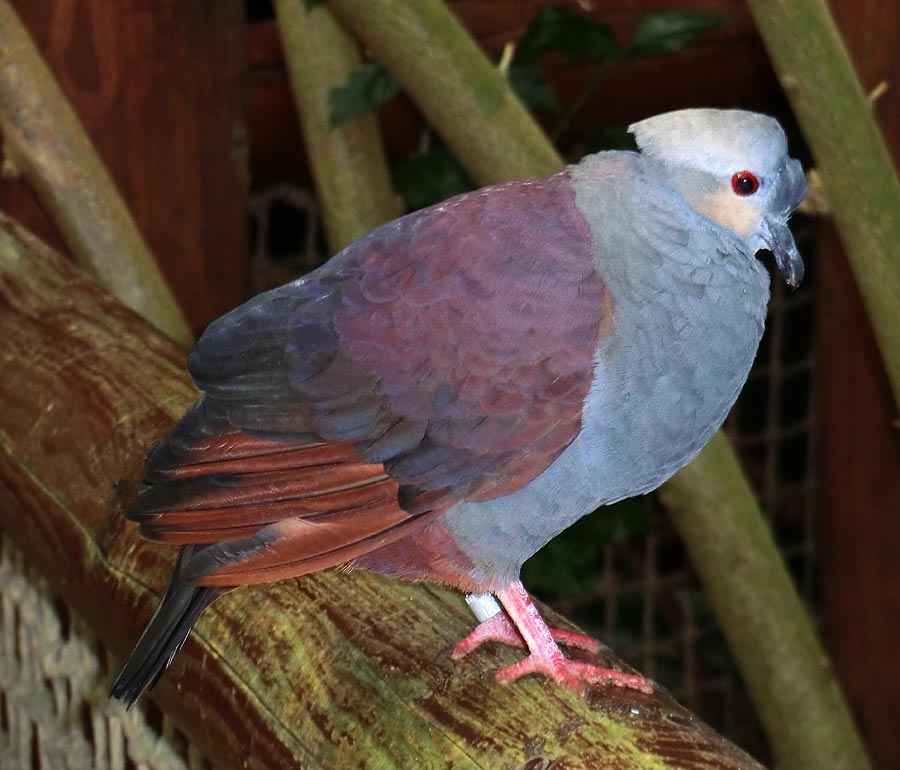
x=861, y=183
x=401, y=36
x=353, y=185
x=461, y=93
x=44, y=141
x=331, y=670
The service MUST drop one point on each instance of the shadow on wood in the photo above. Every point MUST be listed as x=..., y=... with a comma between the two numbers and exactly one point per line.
x=331, y=670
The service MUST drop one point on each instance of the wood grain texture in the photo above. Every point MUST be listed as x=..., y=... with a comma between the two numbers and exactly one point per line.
x=158, y=88
x=45, y=143
x=333, y=670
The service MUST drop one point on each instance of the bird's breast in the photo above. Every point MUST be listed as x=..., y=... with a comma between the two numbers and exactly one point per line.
x=687, y=306
x=664, y=383
x=662, y=386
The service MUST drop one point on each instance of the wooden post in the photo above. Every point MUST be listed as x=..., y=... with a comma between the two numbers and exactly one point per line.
x=353, y=184
x=859, y=458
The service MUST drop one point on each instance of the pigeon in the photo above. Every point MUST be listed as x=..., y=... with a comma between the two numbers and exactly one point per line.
x=447, y=394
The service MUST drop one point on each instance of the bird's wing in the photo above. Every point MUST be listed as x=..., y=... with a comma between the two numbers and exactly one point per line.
x=445, y=356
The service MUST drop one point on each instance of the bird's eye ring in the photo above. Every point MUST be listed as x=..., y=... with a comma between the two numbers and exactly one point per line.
x=744, y=183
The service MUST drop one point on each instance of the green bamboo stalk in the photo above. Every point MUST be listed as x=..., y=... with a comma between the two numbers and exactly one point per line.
x=353, y=184
x=788, y=674
x=420, y=43
x=463, y=96
x=45, y=142
x=836, y=118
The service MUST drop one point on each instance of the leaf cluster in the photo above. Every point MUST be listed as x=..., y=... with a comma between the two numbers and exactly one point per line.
x=435, y=174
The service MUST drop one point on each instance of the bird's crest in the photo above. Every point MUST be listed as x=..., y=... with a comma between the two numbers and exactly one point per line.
x=716, y=141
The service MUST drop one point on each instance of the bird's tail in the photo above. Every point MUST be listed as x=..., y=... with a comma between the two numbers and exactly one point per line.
x=165, y=634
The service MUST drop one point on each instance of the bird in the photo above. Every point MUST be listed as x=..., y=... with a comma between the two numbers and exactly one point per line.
x=448, y=393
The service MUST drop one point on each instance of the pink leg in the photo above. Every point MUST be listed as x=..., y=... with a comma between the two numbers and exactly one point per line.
x=544, y=655
x=499, y=628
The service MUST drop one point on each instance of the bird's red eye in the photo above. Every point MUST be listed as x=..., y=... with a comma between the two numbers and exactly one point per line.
x=744, y=183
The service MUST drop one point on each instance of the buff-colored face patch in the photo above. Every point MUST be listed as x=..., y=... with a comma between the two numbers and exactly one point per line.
x=729, y=210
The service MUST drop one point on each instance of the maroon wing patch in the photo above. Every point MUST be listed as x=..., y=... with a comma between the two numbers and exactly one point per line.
x=479, y=319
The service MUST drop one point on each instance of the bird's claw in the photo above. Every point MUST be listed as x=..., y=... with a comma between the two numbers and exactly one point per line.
x=499, y=628
x=572, y=674
x=522, y=626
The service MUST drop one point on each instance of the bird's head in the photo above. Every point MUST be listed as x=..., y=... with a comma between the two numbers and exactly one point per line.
x=732, y=167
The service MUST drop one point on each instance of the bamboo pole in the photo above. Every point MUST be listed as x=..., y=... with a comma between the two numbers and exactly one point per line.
x=353, y=185
x=331, y=670
x=45, y=142
x=463, y=96
x=787, y=671
x=780, y=631
x=861, y=183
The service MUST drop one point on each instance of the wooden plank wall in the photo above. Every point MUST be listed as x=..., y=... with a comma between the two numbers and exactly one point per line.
x=158, y=87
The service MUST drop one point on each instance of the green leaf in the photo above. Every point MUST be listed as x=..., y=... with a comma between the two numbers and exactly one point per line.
x=429, y=178
x=310, y=4
x=366, y=89
x=557, y=28
x=669, y=31
x=532, y=87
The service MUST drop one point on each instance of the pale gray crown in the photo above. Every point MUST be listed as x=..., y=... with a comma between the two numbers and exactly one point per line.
x=720, y=142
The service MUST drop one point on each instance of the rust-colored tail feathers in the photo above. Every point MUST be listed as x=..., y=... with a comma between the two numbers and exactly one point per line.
x=249, y=510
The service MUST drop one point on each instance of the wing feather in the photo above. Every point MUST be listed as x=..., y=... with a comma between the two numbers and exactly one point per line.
x=446, y=355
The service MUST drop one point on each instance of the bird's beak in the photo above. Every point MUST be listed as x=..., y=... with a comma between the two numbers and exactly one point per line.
x=780, y=242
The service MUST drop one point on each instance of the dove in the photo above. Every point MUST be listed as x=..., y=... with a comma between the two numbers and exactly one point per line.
x=447, y=394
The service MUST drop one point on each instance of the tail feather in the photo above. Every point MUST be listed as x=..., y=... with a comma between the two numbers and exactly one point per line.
x=164, y=636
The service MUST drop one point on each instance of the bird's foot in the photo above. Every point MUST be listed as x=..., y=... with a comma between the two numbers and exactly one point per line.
x=499, y=628
x=523, y=626
x=571, y=673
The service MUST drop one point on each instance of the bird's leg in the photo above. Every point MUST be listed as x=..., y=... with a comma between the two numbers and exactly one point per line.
x=544, y=656
x=495, y=626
